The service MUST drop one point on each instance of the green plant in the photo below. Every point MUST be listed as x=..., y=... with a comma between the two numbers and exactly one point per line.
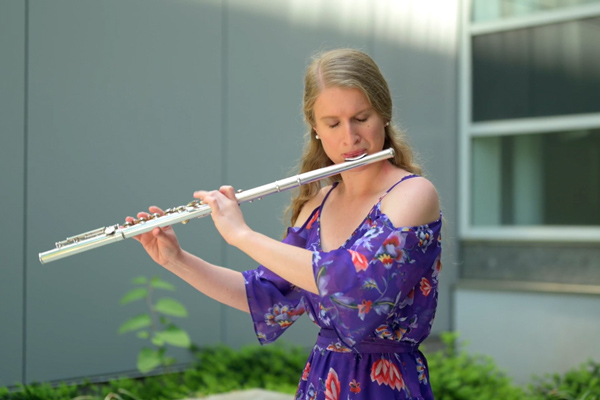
x=275, y=367
x=456, y=375
x=155, y=326
x=581, y=383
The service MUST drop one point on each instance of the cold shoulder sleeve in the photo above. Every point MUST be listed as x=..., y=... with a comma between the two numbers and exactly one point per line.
x=363, y=282
x=274, y=303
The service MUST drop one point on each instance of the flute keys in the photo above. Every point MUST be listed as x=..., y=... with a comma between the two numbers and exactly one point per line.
x=195, y=203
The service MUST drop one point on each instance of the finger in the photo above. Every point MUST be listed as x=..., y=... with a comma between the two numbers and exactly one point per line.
x=209, y=198
x=228, y=191
x=156, y=210
x=142, y=214
x=200, y=194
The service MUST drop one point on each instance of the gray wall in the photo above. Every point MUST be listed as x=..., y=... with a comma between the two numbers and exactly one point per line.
x=528, y=331
x=109, y=107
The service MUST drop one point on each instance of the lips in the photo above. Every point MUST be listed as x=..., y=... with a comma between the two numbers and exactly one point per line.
x=354, y=154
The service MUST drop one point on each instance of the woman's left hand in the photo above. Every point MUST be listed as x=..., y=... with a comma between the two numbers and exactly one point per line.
x=225, y=212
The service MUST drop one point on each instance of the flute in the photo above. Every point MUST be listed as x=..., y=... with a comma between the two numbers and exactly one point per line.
x=195, y=209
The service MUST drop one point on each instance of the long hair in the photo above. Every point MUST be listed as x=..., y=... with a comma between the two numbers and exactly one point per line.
x=350, y=69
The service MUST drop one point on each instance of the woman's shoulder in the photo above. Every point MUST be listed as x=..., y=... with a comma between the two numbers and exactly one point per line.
x=309, y=207
x=412, y=202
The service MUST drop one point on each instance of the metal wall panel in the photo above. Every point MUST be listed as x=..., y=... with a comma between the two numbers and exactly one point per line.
x=124, y=112
x=12, y=182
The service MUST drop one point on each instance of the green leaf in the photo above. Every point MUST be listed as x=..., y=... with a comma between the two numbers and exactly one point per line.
x=168, y=361
x=137, y=322
x=160, y=284
x=140, y=280
x=169, y=306
x=175, y=336
x=143, y=334
x=133, y=295
x=158, y=341
x=148, y=359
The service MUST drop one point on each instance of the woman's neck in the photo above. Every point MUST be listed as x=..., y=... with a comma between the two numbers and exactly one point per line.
x=367, y=181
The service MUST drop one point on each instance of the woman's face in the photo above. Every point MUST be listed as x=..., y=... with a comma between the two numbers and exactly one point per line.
x=347, y=125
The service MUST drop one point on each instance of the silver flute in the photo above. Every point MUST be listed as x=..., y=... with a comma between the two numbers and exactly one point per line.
x=195, y=209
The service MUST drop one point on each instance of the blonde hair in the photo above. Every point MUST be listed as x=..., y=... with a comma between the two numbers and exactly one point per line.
x=351, y=69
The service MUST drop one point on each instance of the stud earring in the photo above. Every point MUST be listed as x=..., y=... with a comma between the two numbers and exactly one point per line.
x=317, y=137
x=387, y=123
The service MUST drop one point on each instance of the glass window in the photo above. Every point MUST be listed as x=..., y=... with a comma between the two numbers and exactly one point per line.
x=539, y=71
x=489, y=10
x=536, y=179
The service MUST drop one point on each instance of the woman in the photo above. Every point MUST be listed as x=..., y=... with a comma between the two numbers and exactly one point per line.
x=362, y=256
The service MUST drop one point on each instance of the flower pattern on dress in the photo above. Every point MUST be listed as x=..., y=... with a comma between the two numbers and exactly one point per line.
x=421, y=371
x=385, y=373
x=354, y=386
x=425, y=236
x=306, y=371
x=332, y=386
x=360, y=261
x=381, y=284
x=283, y=315
x=425, y=286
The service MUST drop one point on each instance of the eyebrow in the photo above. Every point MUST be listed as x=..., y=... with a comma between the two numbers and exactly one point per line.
x=360, y=112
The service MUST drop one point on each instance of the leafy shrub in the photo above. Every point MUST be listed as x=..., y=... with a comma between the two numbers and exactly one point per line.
x=456, y=375
x=582, y=383
x=217, y=369
x=280, y=366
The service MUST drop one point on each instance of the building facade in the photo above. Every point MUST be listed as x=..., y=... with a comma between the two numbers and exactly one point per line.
x=528, y=293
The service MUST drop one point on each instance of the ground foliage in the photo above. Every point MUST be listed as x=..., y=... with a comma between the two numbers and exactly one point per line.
x=455, y=375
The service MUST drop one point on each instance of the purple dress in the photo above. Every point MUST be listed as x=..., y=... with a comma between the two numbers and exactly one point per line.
x=376, y=303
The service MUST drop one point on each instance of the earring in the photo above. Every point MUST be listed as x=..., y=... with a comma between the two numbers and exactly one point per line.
x=387, y=123
x=317, y=137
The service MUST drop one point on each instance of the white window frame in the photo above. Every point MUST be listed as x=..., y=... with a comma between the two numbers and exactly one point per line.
x=468, y=130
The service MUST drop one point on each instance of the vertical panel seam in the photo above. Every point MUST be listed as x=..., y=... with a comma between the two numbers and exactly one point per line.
x=25, y=151
x=224, y=136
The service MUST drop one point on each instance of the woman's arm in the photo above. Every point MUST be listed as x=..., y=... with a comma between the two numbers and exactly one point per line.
x=292, y=263
x=221, y=284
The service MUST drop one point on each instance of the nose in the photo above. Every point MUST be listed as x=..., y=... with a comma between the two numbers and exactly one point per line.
x=351, y=134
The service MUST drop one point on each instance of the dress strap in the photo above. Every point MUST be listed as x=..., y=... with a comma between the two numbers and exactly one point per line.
x=328, y=193
x=400, y=181
x=394, y=185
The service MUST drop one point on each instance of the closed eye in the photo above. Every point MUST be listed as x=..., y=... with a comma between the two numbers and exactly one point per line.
x=334, y=125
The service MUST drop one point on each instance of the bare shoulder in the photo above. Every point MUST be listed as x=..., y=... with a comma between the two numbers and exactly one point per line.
x=413, y=202
x=310, y=205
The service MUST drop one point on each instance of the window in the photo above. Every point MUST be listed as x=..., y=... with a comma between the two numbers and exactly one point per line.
x=486, y=10
x=530, y=119
x=540, y=71
x=537, y=179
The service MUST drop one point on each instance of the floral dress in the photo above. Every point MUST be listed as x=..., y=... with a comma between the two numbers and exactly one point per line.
x=376, y=303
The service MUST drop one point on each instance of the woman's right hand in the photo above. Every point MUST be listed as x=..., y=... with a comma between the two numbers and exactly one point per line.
x=160, y=243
